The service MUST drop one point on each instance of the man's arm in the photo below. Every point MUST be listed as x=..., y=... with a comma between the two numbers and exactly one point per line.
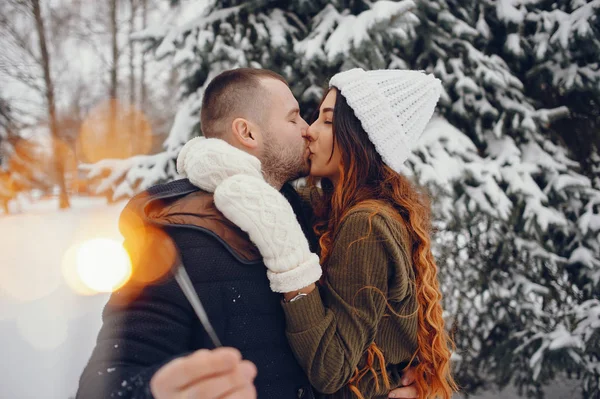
x=146, y=329
x=141, y=331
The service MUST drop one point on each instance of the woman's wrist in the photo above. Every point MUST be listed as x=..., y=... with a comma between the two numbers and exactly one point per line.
x=306, y=290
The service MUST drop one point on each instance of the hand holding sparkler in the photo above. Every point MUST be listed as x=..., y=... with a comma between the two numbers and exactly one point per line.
x=218, y=373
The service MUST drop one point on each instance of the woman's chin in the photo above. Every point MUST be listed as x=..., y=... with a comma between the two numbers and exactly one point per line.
x=314, y=172
x=318, y=175
x=320, y=172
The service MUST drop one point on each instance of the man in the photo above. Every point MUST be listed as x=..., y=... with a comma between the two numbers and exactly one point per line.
x=151, y=343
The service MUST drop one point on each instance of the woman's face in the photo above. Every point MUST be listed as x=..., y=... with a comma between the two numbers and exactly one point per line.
x=320, y=135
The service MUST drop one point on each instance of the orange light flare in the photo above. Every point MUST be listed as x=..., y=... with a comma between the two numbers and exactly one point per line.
x=103, y=265
x=153, y=254
x=115, y=130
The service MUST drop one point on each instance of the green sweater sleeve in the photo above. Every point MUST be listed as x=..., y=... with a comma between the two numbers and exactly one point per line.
x=331, y=328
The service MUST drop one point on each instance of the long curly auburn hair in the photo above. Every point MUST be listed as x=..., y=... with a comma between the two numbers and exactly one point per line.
x=365, y=179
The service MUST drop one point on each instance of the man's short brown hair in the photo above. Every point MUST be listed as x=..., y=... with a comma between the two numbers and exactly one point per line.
x=233, y=94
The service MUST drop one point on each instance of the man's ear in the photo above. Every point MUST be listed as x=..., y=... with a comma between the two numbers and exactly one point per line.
x=243, y=133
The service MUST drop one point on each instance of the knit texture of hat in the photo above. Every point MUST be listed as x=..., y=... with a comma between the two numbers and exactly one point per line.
x=393, y=106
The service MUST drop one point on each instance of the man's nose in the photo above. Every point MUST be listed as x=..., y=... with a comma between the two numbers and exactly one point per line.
x=304, y=127
x=306, y=134
x=304, y=123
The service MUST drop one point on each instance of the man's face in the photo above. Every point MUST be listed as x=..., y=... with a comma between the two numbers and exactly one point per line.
x=285, y=154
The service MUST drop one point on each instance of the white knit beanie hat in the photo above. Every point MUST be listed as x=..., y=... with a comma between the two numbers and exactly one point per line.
x=392, y=105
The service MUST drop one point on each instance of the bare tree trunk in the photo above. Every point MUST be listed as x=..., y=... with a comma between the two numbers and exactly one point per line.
x=113, y=73
x=45, y=58
x=143, y=74
x=133, y=134
x=133, y=6
x=115, y=49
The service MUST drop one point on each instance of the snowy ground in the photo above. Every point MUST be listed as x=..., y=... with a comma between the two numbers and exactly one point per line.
x=47, y=331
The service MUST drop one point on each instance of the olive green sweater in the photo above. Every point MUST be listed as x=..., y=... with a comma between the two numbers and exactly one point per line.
x=331, y=329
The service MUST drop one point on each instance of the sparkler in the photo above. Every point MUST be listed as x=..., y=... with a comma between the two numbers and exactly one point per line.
x=183, y=279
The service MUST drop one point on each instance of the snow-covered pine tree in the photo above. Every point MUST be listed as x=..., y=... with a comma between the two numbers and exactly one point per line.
x=562, y=67
x=517, y=215
x=518, y=222
x=554, y=48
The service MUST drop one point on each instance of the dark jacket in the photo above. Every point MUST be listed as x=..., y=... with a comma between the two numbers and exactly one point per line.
x=147, y=325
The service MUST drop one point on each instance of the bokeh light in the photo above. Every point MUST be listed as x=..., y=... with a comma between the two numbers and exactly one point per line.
x=71, y=274
x=114, y=130
x=152, y=252
x=102, y=265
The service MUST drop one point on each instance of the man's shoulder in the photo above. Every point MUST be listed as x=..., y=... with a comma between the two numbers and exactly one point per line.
x=181, y=205
x=155, y=194
x=172, y=189
x=146, y=208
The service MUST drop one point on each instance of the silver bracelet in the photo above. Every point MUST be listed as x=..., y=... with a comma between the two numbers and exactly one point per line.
x=298, y=296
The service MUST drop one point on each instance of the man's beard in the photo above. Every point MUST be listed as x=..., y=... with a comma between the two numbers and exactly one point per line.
x=281, y=164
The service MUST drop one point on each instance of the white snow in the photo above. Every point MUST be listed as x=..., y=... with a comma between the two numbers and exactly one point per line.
x=543, y=216
x=47, y=331
x=577, y=23
x=535, y=155
x=508, y=12
x=353, y=30
x=590, y=221
x=584, y=256
x=513, y=44
x=447, y=155
x=443, y=147
x=459, y=27
x=467, y=85
x=324, y=22
x=588, y=315
x=482, y=27
x=278, y=27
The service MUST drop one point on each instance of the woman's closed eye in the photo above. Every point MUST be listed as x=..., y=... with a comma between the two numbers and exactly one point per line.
x=325, y=118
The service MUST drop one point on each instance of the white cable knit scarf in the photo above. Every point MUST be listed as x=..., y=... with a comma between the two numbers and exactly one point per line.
x=207, y=162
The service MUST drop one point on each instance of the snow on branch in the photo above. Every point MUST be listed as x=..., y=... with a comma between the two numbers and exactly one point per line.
x=337, y=33
x=131, y=175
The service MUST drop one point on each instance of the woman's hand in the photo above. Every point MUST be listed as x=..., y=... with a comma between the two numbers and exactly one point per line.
x=408, y=392
x=408, y=389
x=263, y=212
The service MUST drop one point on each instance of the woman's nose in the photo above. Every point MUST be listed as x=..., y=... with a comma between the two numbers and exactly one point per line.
x=312, y=133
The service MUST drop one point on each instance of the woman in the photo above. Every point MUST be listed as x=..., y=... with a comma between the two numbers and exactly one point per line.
x=377, y=309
